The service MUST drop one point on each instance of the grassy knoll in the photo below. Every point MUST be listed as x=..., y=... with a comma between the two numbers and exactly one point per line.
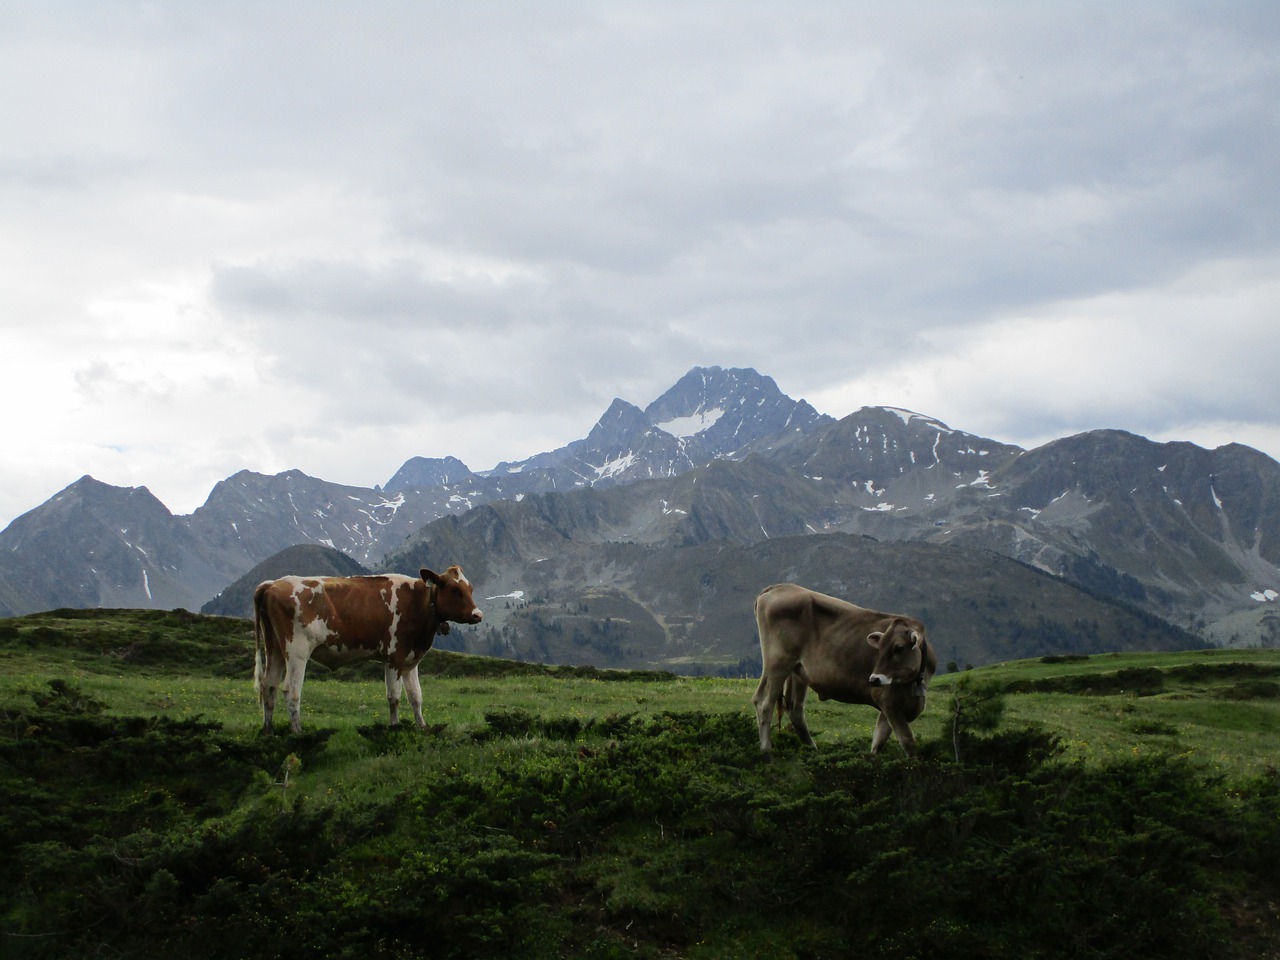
x=1125, y=806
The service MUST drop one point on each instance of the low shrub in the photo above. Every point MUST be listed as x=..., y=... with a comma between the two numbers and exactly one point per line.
x=629, y=836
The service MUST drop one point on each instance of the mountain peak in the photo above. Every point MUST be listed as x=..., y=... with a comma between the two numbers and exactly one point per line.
x=730, y=410
x=419, y=472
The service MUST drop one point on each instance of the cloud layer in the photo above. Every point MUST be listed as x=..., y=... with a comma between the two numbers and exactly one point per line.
x=333, y=237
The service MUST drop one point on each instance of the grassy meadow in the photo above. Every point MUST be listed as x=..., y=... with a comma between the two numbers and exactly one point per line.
x=1201, y=709
x=558, y=811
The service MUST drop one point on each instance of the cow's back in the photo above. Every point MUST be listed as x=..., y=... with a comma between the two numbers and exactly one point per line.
x=792, y=614
x=350, y=614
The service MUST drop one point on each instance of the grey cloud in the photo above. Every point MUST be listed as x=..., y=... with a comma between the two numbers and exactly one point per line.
x=518, y=212
x=340, y=292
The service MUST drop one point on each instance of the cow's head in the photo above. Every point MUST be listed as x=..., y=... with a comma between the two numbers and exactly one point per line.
x=902, y=653
x=453, y=595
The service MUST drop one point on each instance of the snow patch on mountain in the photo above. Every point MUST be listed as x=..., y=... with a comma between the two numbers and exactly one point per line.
x=906, y=416
x=617, y=465
x=693, y=424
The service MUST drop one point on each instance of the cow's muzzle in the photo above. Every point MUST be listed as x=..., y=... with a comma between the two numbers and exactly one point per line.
x=476, y=616
x=879, y=680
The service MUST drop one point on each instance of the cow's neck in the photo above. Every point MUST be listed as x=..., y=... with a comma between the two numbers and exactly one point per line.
x=439, y=624
x=921, y=686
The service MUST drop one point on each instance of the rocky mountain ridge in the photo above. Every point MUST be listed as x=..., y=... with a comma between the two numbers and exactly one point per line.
x=721, y=461
x=51, y=556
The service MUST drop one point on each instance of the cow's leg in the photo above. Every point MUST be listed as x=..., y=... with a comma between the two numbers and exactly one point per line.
x=902, y=730
x=881, y=733
x=413, y=689
x=766, y=698
x=267, y=694
x=392, y=677
x=273, y=669
x=295, y=672
x=799, y=690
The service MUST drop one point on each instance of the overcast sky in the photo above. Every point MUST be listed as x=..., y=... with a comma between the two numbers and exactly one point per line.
x=333, y=236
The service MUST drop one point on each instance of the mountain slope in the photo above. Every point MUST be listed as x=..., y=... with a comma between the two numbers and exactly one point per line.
x=691, y=608
x=1189, y=533
x=96, y=545
x=306, y=560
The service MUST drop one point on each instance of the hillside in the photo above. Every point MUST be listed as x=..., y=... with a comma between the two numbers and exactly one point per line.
x=305, y=559
x=690, y=609
x=551, y=815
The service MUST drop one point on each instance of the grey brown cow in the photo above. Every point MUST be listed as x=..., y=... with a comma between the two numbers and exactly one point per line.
x=339, y=620
x=845, y=653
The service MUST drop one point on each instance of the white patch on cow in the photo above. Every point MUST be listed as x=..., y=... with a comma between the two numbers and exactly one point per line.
x=880, y=680
x=393, y=605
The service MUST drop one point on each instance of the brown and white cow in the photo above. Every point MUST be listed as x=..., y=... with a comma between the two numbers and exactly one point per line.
x=340, y=620
x=845, y=653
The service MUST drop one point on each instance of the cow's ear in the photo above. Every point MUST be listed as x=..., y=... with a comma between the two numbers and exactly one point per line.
x=430, y=575
x=875, y=638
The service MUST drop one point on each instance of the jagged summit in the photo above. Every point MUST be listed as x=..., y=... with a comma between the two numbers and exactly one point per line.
x=711, y=413
x=730, y=411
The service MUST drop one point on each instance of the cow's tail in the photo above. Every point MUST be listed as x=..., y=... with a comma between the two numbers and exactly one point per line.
x=786, y=700
x=261, y=626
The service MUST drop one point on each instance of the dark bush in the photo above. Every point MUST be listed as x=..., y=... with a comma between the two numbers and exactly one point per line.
x=642, y=837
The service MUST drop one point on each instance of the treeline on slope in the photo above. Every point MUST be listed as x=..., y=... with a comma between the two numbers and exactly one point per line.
x=624, y=837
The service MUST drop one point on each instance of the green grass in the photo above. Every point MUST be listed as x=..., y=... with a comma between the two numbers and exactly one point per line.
x=552, y=812
x=180, y=666
x=1194, y=713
